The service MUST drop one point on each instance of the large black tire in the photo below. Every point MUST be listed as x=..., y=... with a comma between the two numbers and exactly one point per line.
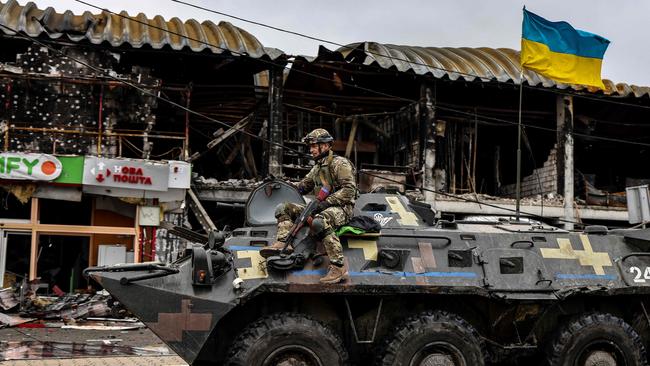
x=641, y=326
x=434, y=338
x=597, y=339
x=287, y=339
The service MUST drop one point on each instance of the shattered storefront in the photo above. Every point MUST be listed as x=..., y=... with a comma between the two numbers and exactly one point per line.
x=29, y=180
x=111, y=90
x=61, y=214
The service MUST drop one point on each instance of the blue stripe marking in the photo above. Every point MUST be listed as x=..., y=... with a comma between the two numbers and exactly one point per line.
x=571, y=276
x=355, y=273
x=242, y=247
x=320, y=272
x=309, y=272
x=441, y=274
x=561, y=37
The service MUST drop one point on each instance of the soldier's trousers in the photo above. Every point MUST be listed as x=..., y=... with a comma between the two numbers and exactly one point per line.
x=333, y=218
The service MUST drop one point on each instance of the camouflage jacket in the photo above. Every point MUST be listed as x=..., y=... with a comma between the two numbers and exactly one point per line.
x=342, y=180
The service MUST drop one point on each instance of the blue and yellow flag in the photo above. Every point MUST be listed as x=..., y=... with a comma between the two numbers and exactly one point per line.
x=561, y=52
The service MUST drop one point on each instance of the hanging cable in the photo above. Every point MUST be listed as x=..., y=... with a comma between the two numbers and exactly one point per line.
x=327, y=79
x=391, y=57
x=243, y=54
x=313, y=38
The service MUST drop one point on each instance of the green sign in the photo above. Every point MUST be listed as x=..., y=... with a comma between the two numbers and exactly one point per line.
x=72, y=172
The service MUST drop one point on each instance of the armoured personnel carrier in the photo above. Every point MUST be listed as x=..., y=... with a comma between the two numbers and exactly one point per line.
x=420, y=292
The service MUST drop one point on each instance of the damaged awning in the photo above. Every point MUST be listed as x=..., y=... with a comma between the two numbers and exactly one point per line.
x=124, y=29
x=481, y=64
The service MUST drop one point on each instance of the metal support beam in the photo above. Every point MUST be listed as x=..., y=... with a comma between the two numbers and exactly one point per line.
x=427, y=115
x=200, y=213
x=186, y=142
x=239, y=126
x=231, y=131
x=565, y=169
x=275, y=121
x=33, y=258
x=352, y=137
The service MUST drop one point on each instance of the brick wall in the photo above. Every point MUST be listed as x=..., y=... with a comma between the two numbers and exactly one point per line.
x=542, y=180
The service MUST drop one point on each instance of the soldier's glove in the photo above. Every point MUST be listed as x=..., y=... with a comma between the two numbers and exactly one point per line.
x=301, y=189
x=322, y=206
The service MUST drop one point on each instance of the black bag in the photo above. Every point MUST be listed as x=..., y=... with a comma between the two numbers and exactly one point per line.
x=365, y=223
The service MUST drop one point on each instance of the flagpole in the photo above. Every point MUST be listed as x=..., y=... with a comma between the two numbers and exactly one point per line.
x=518, y=189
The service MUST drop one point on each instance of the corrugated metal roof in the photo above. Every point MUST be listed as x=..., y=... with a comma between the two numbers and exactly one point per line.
x=118, y=31
x=485, y=64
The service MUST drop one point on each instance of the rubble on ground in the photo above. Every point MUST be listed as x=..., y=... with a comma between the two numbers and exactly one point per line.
x=22, y=306
x=548, y=199
x=21, y=350
x=8, y=299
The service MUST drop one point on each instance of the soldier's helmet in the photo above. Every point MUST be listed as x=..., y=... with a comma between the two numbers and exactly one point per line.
x=317, y=136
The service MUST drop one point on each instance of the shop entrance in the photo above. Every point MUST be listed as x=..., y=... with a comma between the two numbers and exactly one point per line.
x=61, y=261
x=14, y=256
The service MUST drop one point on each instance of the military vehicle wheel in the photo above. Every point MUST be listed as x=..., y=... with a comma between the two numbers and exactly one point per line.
x=287, y=339
x=597, y=339
x=434, y=338
x=641, y=326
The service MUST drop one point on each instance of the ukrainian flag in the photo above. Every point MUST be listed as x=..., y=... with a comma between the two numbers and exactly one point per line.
x=560, y=52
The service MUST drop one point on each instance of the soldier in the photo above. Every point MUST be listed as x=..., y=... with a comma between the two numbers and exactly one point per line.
x=332, y=181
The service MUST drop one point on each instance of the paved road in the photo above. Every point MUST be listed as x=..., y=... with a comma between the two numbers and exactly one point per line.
x=72, y=347
x=134, y=338
x=101, y=361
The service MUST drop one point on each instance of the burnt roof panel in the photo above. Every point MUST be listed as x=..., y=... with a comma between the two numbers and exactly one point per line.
x=137, y=31
x=484, y=64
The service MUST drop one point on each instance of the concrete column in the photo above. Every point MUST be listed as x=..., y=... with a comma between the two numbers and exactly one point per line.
x=275, y=121
x=427, y=113
x=565, y=166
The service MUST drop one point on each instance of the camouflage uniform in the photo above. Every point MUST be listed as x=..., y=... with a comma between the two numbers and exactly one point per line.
x=341, y=202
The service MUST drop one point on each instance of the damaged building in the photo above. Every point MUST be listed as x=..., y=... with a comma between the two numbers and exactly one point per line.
x=95, y=99
x=129, y=105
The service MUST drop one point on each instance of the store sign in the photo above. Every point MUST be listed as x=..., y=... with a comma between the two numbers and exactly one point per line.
x=25, y=166
x=125, y=173
x=73, y=168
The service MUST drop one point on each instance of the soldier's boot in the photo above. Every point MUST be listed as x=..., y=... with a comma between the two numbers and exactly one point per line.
x=335, y=274
x=284, y=227
x=275, y=249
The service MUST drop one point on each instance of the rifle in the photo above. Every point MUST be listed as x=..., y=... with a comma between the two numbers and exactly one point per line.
x=303, y=218
x=299, y=223
x=304, y=249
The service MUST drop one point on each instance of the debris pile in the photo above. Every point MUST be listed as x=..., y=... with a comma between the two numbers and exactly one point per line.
x=548, y=199
x=69, y=306
x=23, y=307
x=8, y=299
x=21, y=350
x=202, y=182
